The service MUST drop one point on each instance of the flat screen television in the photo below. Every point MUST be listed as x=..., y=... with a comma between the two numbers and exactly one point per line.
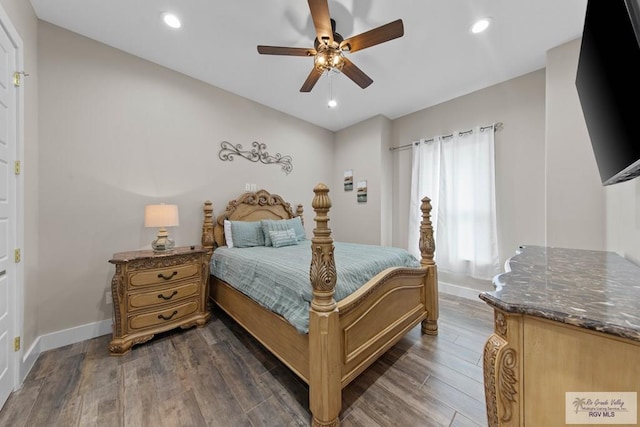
x=608, y=85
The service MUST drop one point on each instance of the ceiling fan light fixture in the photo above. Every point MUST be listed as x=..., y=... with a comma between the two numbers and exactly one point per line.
x=171, y=20
x=332, y=103
x=328, y=59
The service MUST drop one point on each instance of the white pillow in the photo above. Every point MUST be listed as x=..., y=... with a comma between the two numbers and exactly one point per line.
x=228, y=238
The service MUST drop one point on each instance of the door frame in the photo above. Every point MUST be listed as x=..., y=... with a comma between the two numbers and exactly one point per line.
x=18, y=304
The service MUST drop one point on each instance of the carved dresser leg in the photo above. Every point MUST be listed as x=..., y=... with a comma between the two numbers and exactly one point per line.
x=502, y=385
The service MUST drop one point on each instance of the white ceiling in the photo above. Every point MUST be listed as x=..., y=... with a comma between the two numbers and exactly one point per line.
x=437, y=59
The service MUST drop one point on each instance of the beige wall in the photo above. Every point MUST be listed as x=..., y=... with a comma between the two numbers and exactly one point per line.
x=386, y=184
x=519, y=151
x=117, y=133
x=363, y=148
x=575, y=195
x=24, y=20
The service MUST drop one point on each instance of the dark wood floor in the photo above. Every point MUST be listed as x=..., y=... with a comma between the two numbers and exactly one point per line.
x=220, y=376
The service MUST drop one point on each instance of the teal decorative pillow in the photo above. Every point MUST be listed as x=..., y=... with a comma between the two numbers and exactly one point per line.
x=283, y=224
x=281, y=238
x=247, y=233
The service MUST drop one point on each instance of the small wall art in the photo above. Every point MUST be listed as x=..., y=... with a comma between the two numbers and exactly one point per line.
x=362, y=192
x=348, y=180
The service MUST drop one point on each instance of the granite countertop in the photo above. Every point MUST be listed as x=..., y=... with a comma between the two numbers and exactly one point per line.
x=594, y=290
x=124, y=257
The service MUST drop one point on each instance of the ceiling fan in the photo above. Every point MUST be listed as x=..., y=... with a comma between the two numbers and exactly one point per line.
x=329, y=47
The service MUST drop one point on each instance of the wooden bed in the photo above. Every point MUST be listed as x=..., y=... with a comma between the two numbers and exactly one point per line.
x=346, y=337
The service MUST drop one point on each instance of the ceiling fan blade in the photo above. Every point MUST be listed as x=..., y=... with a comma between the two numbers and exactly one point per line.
x=356, y=74
x=291, y=51
x=321, y=20
x=311, y=81
x=378, y=35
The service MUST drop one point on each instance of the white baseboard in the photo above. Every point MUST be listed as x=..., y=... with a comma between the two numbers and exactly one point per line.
x=460, y=291
x=61, y=338
x=28, y=360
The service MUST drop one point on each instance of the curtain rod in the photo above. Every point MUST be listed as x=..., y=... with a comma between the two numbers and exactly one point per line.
x=496, y=127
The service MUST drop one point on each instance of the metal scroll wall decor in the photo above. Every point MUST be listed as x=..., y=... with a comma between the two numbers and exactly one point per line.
x=257, y=154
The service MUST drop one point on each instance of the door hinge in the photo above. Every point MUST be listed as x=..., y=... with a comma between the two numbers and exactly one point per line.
x=16, y=167
x=17, y=80
x=16, y=255
x=16, y=344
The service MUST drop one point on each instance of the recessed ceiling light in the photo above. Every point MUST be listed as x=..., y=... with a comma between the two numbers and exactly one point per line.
x=480, y=25
x=171, y=20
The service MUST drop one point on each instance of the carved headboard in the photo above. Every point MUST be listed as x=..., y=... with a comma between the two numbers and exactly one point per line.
x=252, y=206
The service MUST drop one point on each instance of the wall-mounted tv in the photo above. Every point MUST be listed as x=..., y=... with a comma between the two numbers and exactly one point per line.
x=608, y=85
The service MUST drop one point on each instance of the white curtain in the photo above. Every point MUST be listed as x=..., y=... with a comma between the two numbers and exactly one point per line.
x=457, y=173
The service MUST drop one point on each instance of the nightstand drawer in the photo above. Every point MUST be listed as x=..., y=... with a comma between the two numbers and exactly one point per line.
x=162, y=296
x=167, y=315
x=163, y=275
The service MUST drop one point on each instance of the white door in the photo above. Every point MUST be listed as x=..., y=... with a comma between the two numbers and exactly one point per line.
x=8, y=144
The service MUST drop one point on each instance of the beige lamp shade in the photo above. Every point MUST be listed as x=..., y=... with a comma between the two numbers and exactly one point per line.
x=161, y=216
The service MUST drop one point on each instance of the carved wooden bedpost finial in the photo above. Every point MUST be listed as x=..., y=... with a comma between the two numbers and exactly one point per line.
x=208, y=241
x=427, y=243
x=427, y=250
x=299, y=211
x=323, y=268
x=325, y=389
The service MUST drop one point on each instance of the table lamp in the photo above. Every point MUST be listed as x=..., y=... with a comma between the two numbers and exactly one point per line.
x=161, y=216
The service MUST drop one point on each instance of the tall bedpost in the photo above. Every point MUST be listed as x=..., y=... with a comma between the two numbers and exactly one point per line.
x=208, y=241
x=325, y=390
x=427, y=251
x=299, y=211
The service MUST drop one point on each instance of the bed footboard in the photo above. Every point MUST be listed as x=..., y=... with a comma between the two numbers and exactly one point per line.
x=346, y=338
x=378, y=315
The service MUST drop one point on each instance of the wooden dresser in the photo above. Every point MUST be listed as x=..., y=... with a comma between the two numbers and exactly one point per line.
x=566, y=345
x=156, y=292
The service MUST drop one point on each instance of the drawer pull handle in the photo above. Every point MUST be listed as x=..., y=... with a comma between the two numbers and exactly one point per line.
x=162, y=276
x=163, y=317
x=169, y=297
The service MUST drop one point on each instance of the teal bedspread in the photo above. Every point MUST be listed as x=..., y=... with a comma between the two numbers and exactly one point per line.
x=278, y=278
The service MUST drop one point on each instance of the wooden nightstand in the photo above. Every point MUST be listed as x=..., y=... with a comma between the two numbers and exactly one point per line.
x=155, y=292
